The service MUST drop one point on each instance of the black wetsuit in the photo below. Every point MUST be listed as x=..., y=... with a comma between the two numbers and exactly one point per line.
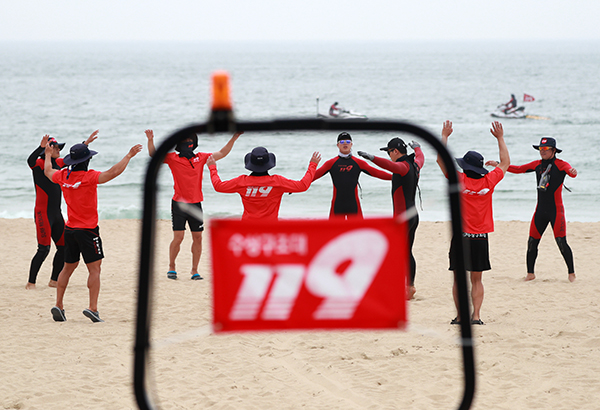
x=48, y=217
x=406, y=171
x=549, y=209
x=345, y=172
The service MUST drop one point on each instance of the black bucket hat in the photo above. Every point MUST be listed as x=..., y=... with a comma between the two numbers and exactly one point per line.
x=79, y=153
x=472, y=161
x=259, y=160
x=547, y=142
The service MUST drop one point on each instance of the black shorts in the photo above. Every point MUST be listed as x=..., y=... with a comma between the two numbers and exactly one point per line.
x=477, y=252
x=179, y=217
x=86, y=242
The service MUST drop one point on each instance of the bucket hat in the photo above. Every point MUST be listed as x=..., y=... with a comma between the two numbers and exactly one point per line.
x=259, y=160
x=547, y=142
x=472, y=161
x=79, y=153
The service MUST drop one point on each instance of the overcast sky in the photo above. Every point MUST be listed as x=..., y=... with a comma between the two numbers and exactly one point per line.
x=320, y=20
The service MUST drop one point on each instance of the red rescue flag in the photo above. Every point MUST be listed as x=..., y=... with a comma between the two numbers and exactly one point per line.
x=528, y=98
x=309, y=274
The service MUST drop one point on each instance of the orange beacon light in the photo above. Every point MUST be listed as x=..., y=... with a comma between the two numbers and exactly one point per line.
x=221, y=96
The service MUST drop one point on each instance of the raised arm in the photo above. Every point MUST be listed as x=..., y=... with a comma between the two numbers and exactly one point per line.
x=120, y=166
x=498, y=132
x=48, y=170
x=446, y=131
x=31, y=160
x=374, y=172
x=227, y=187
x=222, y=153
x=92, y=137
x=151, y=147
x=303, y=184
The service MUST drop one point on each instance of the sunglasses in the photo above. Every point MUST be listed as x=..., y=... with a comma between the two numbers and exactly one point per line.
x=545, y=148
x=345, y=142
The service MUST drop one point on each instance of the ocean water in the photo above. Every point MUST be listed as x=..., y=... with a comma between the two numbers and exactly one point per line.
x=70, y=89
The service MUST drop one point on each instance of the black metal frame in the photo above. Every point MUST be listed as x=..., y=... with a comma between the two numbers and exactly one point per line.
x=223, y=121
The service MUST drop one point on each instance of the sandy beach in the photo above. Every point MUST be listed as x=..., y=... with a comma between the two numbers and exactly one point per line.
x=539, y=349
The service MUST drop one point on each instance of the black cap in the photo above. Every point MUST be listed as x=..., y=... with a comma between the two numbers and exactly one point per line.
x=79, y=153
x=344, y=136
x=547, y=142
x=259, y=160
x=472, y=161
x=52, y=141
x=395, y=143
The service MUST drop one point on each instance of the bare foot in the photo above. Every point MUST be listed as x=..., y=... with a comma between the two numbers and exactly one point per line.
x=30, y=286
x=530, y=276
x=53, y=284
x=572, y=277
x=411, y=292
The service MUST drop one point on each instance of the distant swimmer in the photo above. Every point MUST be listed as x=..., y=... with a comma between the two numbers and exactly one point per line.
x=79, y=186
x=187, y=168
x=477, y=186
x=48, y=216
x=345, y=169
x=406, y=170
x=260, y=192
x=550, y=173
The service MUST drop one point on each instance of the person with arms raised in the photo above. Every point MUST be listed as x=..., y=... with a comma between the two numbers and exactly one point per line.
x=79, y=185
x=477, y=186
x=260, y=192
x=186, y=206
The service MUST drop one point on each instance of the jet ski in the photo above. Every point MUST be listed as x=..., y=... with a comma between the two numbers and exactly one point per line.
x=343, y=114
x=517, y=112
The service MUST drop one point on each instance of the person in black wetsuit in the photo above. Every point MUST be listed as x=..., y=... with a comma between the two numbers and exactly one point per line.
x=48, y=217
x=550, y=173
x=406, y=169
x=345, y=170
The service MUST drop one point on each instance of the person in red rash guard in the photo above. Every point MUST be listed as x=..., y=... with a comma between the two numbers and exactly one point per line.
x=187, y=168
x=261, y=193
x=405, y=179
x=49, y=222
x=550, y=173
x=345, y=169
x=476, y=189
x=79, y=186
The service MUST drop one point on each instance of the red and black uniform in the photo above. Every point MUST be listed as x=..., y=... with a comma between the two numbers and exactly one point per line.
x=550, y=175
x=405, y=178
x=477, y=218
x=261, y=194
x=187, y=186
x=82, y=232
x=48, y=217
x=345, y=172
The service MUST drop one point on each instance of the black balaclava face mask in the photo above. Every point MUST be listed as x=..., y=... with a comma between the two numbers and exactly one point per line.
x=82, y=166
x=185, y=149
